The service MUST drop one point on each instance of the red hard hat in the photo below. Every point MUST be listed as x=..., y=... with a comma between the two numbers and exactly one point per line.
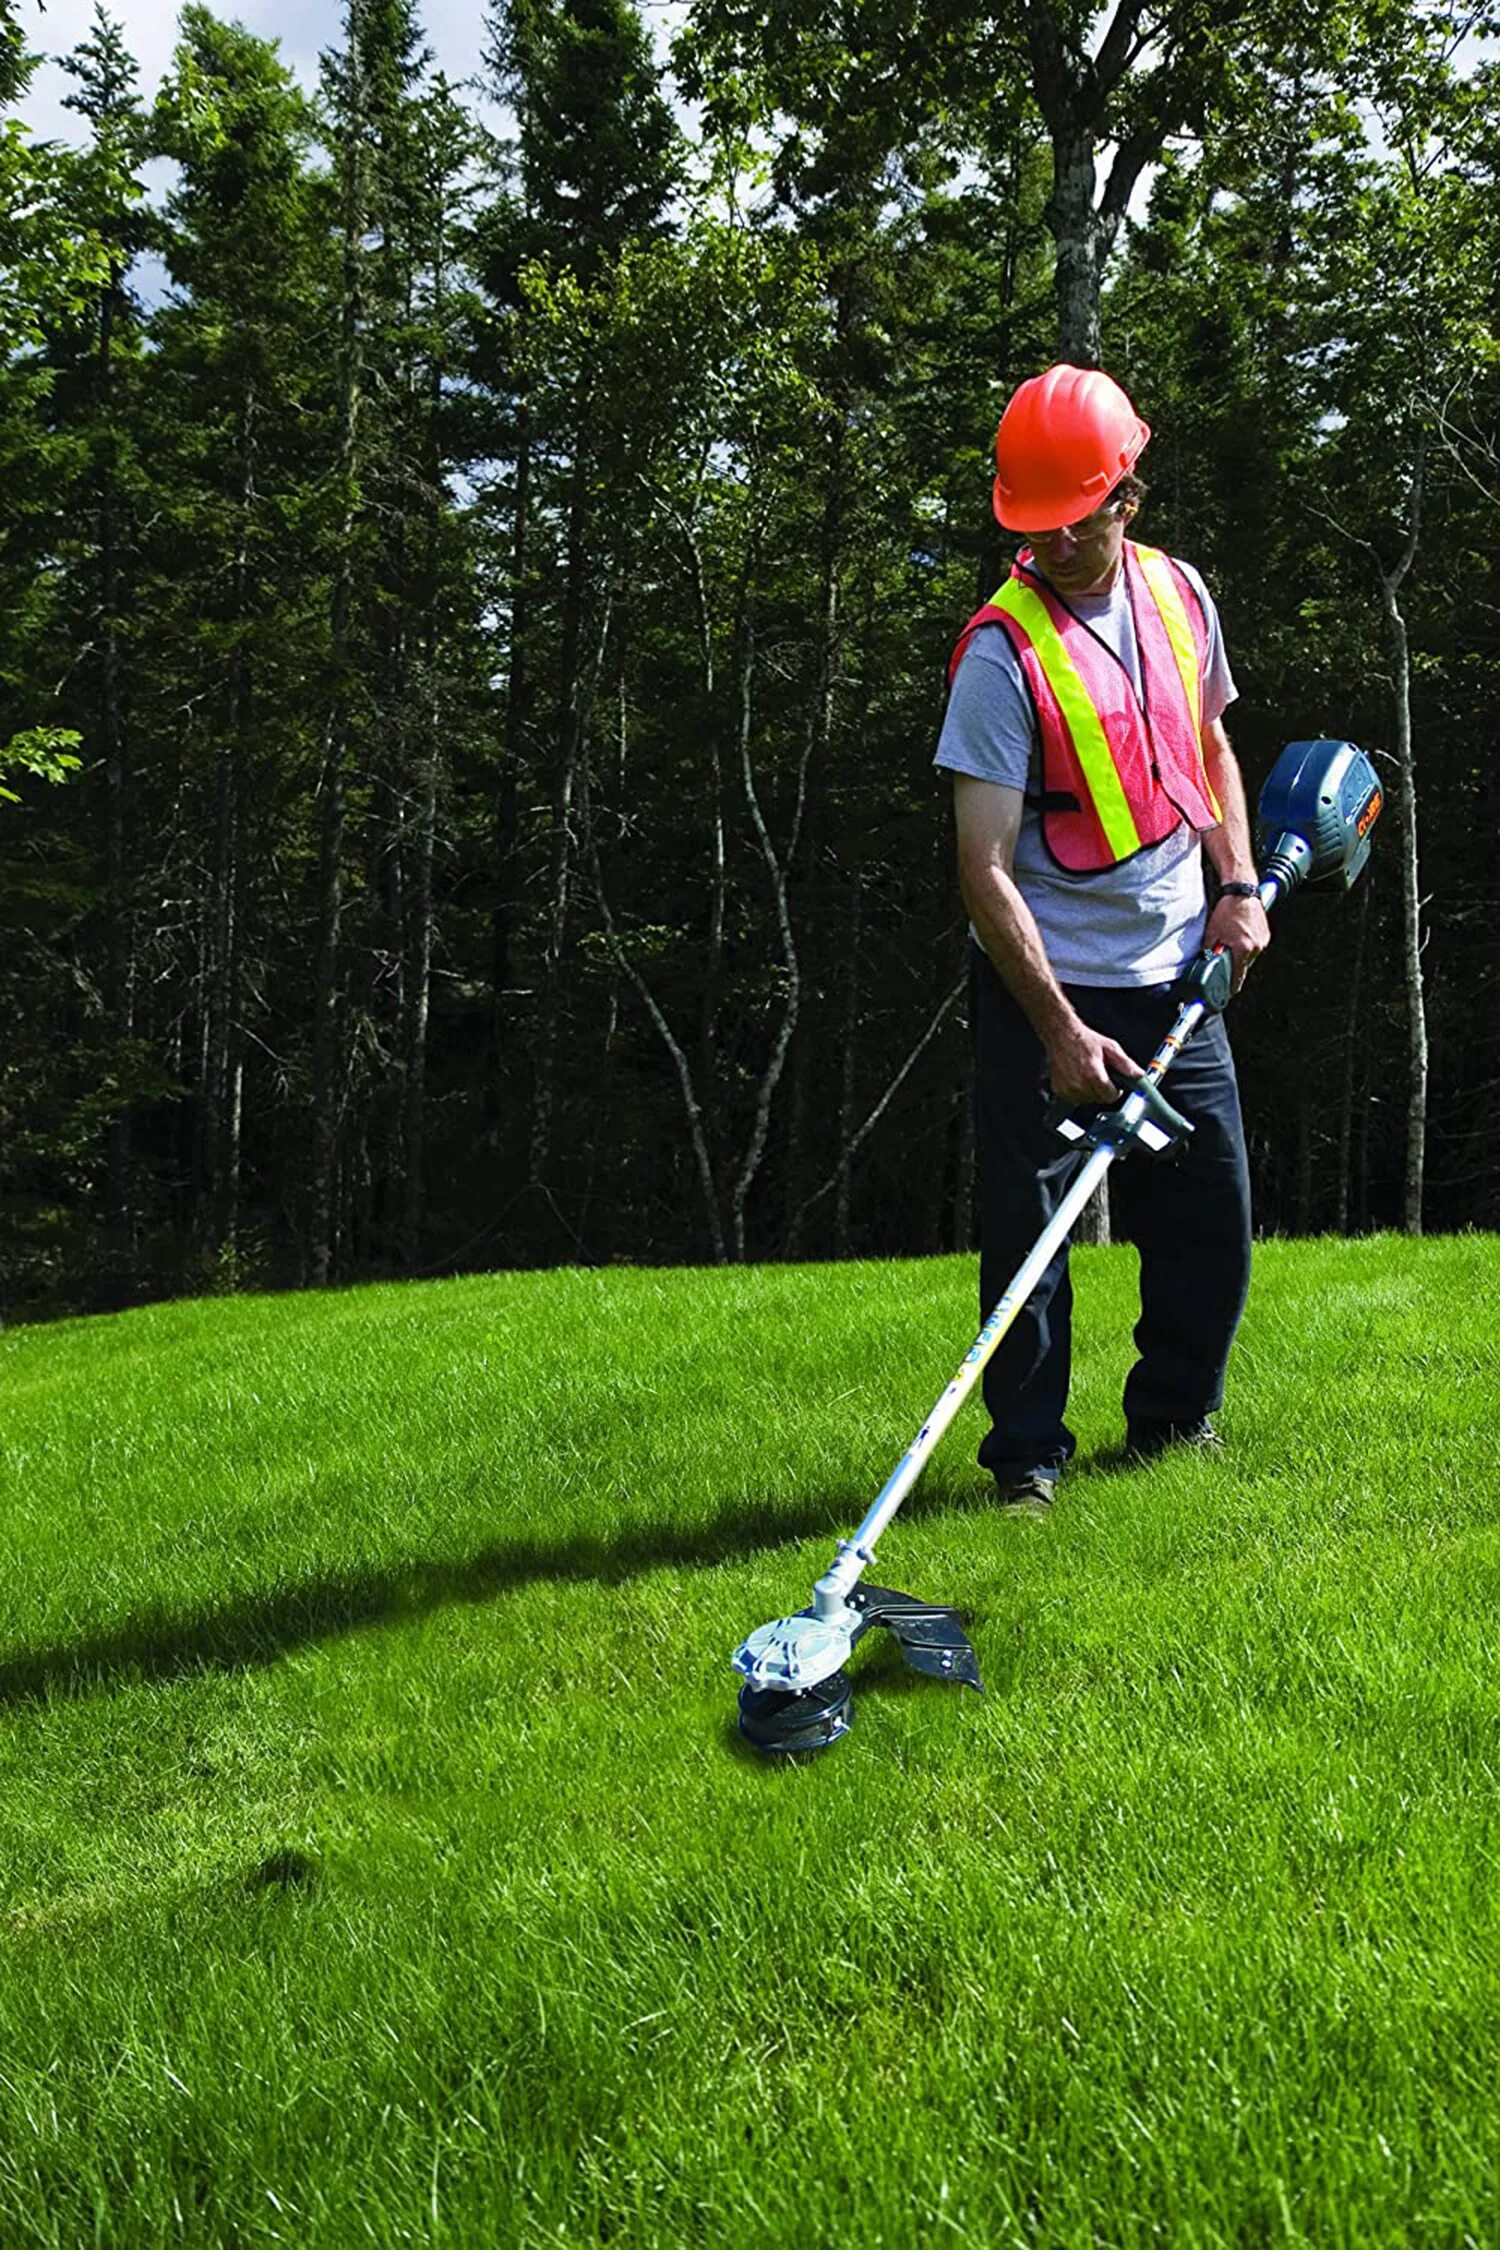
x=1064, y=442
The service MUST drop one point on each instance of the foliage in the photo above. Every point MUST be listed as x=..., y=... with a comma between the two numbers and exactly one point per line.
x=44, y=751
x=508, y=631
x=48, y=267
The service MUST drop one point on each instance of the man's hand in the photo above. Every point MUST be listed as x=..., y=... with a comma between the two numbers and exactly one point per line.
x=1079, y=1063
x=1244, y=926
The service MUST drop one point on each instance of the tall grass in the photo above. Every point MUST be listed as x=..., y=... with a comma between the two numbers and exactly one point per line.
x=379, y=1862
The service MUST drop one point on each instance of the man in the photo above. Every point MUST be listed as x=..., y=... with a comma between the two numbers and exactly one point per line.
x=1092, y=778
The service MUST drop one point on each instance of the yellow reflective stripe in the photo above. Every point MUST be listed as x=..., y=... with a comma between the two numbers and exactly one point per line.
x=1090, y=743
x=1164, y=590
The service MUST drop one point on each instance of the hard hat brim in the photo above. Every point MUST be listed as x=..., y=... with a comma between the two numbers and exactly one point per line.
x=1015, y=515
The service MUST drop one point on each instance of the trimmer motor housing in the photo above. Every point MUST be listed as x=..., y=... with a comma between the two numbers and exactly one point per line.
x=1319, y=803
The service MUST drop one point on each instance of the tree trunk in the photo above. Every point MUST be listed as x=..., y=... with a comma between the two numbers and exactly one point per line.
x=419, y=974
x=842, y=1194
x=1411, y=892
x=222, y=949
x=778, y=868
x=1353, y=1046
x=963, y=1184
x=1074, y=224
x=1092, y=1225
x=226, y=1040
x=418, y=1002
x=1411, y=924
x=1072, y=89
x=702, y=1159
x=713, y=957
x=1302, y=1178
x=326, y=1043
x=517, y=728
x=120, y=963
x=569, y=733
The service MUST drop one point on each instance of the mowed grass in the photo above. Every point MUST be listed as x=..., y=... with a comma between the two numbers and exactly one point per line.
x=379, y=1863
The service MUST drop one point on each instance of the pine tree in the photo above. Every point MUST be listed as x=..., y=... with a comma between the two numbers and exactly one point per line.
x=237, y=365
x=97, y=368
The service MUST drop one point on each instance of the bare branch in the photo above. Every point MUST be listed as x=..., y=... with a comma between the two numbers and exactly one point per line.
x=1352, y=537
x=668, y=1037
x=1457, y=443
x=857, y=1139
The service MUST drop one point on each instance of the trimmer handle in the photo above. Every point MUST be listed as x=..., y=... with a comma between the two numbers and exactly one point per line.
x=1155, y=1126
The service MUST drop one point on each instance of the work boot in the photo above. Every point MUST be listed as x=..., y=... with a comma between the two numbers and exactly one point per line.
x=1146, y=1439
x=1035, y=1490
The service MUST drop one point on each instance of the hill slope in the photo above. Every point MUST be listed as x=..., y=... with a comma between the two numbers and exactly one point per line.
x=380, y=1862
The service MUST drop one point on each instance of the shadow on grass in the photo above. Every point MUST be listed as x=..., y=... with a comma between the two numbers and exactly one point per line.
x=257, y=1628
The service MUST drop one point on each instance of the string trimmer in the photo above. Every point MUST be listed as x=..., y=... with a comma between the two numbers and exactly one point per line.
x=1317, y=808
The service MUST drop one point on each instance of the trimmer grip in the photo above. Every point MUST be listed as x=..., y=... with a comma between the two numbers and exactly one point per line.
x=1169, y=1119
x=1210, y=979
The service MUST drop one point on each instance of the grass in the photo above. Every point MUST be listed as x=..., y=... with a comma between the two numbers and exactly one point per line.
x=378, y=1861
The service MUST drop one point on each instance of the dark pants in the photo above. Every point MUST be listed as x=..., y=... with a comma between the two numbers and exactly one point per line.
x=1189, y=1218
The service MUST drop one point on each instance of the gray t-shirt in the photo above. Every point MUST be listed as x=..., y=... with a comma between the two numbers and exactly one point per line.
x=1140, y=922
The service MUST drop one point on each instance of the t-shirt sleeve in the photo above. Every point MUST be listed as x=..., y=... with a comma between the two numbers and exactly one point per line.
x=1219, y=690
x=989, y=726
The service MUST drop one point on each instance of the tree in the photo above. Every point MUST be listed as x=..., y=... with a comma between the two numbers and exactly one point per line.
x=96, y=364
x=237, y=358
x=594, y=163
x=1403, y=335
x=49, y=268
x=1123, y=80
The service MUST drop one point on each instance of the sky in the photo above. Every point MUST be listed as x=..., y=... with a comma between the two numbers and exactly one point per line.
x=304, y=28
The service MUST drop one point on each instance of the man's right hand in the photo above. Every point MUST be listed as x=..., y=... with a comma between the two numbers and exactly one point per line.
x=1080, y=1061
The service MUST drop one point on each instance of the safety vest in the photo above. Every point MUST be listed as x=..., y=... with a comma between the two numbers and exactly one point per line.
x=1120, y=770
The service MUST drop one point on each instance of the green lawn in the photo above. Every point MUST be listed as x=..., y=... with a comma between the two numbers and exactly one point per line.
x=379, y=1863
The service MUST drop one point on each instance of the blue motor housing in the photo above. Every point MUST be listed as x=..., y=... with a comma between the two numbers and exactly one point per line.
x=1318, y=806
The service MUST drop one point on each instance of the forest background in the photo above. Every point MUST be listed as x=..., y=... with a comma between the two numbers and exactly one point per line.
x=473, y=634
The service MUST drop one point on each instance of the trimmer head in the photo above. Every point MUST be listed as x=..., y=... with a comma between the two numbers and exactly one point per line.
x=796, y=1695
x=783, y=1724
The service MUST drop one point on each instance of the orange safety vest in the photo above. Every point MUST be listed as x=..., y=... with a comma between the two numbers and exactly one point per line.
x=1120, y=770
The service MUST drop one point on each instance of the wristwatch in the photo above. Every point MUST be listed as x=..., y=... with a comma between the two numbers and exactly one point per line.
x=1239, y=890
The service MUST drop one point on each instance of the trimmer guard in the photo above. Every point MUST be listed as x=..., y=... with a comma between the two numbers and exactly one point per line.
x=929, y=1635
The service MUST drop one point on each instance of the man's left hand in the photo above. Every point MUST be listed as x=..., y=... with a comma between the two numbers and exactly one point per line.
x=1244, y=926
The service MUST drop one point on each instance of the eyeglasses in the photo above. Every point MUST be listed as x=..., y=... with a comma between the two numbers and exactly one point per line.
x=1087, y=527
